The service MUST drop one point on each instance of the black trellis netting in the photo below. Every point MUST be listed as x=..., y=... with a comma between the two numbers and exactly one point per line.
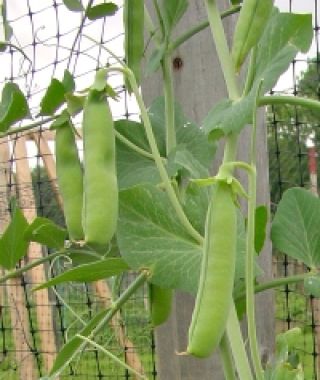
x=52, y=40
x=293, y=137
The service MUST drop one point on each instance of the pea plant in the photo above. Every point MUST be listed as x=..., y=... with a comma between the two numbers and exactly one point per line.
x=144, y=199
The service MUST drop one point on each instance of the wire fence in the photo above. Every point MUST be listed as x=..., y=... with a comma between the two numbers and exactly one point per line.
x=52, y=41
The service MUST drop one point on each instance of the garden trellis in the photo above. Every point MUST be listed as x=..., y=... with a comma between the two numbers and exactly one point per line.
x=39, y=322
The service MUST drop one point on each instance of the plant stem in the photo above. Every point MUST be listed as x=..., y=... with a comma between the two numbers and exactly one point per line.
x=226, y=356
x=158, y=161
x=237, y=345
x=276, y=283
x=251, y=72
x=111, y=355
x=136, y=284
x=222, y=49
x=135, y=147
x=150, y=26
x=28, y=127
x=169, y=103
x=250, y=258
x=31, y=265
x=292, y=100
x=198, y=28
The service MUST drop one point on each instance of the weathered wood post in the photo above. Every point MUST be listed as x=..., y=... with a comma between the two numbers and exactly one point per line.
x=199, y=84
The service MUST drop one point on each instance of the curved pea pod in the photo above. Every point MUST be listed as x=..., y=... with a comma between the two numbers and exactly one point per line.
x=215, y=289
x=252, y=20
x=100, y=212
x=160, y=304
x=70, y=179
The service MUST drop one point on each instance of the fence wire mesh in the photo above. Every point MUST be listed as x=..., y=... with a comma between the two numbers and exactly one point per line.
x=52, y=41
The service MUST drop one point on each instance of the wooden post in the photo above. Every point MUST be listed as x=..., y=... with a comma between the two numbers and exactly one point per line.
x=37, y=274
x=101, y=287
x=199, y=84
x=15, y=292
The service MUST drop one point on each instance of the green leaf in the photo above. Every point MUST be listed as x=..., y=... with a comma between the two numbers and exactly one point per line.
x=74, y=103
x=251, y=23
x=285, y=35
x=133, y=14
x=98, y=270
x=53, y=98
x=68, y=82
x=13, y=246
x=133, y=168
x=101, y=10
x=295, y=228
x=6, y=28
x=13, y=106
x=312, y=286
x=69, y=350
x=46, y=232
x=171, y=12
x=260, y=227
x=154, y=61
x=160, y=241
x=73, y=5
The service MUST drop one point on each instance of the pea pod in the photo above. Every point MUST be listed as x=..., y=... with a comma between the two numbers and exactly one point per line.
x=214, y=295
x=160, y=304
x=100, y=212
x=70, y=179
x=253, y=18
x=133, y=17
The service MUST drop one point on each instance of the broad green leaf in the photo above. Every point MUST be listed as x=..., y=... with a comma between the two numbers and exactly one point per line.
x=251, y=23
x=68, y=82
x=46, y=232
x=132, y=167
x=13, y=106
x=97, y=270
x=295, y=228
x=70, y=349
x=149, y=235
x=188, y=134
x=260, y=228
x=74, y=103
x=171, y=12
x=53, y=98
x=227, y=116
x=133, y=15
x=13, y=246
x=154, y=61
x=312, y=286
x=285, y=35
x=101, y=10
x=73, y=5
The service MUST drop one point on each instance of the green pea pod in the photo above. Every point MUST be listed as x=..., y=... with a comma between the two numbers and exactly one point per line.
x=160, y=304
x=133, y=16
x=70, y=179
x=100, y=212
x=215, y=289
x=253, y=18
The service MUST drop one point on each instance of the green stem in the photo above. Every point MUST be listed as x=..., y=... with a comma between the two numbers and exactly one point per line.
x=198, y=28
x=136, y=284
x=237, y=345
x=135, y=147
x=28, y=127
x=171, y=141
x=112, y=356
x=292, y=100
x=153, y=32
x=277, y=283
x=250, y=257
x=158, y=161
x=251, y=72
x=222, y=49
x=226, y=356
x=230, y=149
x=31, y=265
